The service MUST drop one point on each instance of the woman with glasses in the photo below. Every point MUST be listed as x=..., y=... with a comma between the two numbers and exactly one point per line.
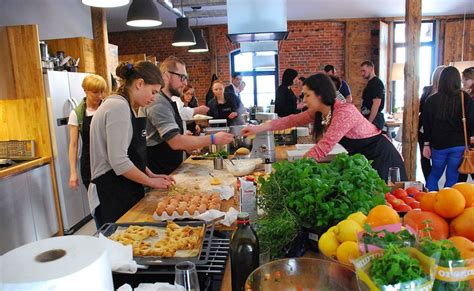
x=443, y=128
x=189, y=100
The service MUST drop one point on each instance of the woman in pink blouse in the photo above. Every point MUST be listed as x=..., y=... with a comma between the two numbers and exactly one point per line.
x=337, y=122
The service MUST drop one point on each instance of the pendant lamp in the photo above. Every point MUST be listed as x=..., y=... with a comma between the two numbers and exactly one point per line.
x=201, y=44
x=105, y=3
x=143, y=13
x=183, y=36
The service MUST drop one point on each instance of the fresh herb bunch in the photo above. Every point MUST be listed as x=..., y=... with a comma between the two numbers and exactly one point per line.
x=395, y=266
x=220, y=154
x=383, y=238
x=322, y=194
x=276, y=231
x=447, y=255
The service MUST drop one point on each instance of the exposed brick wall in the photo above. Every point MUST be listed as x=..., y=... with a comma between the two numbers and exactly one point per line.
x=310, y=46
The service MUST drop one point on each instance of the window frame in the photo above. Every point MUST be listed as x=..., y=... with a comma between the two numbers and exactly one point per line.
x=254, y=73
x=431, y=44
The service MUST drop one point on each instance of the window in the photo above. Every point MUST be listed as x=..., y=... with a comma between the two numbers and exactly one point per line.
x=427, y=57
x=259, y=72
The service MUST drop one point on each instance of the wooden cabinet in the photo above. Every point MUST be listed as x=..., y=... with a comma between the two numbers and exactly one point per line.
x=132, y=58
x=76, y=47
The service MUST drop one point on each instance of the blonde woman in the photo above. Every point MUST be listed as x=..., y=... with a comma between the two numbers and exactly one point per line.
x=79, y=123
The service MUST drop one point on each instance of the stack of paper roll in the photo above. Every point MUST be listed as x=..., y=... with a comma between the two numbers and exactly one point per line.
x=59, y=263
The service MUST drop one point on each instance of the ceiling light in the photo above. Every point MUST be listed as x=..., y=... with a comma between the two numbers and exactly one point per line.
x=183, y=36
x=201, y=44
x=105, y=3
x=143, y=13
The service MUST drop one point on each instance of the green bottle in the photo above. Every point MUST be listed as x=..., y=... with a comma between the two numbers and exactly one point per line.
x=244, y=252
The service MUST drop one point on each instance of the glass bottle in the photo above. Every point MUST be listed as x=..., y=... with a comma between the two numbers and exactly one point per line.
x=244, y=252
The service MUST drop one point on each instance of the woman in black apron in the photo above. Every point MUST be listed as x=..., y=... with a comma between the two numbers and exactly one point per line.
x=119, y=168
x=338, y=122
x=79, y=123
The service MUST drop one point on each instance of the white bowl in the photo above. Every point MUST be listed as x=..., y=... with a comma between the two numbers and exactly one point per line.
x=241, y=167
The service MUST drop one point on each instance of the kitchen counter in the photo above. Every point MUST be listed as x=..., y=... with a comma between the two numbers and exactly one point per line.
x=22, y=167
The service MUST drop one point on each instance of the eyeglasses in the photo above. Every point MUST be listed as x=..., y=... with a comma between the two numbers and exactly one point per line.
x=183, y=77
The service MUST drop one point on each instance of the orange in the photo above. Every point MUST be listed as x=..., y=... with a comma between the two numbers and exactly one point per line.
x=463, y=225
x=464, y=245
x=382, y=215
x=427, y=200
x=467, y=190
x=419, y=221
x=449, y=203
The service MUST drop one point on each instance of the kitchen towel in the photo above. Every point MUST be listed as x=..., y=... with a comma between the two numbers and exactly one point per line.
x=59, y=263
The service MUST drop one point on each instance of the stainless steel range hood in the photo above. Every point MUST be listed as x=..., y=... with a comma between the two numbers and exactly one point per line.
x=256, y=20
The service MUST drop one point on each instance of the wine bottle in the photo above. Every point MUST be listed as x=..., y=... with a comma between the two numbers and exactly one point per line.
x=244, y=252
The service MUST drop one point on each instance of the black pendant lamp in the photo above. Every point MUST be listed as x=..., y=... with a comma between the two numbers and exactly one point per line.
x=183, y=36
x=201, y=44
x=143, y=13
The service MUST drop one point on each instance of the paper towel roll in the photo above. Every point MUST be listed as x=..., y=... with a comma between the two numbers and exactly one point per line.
x=59, y=263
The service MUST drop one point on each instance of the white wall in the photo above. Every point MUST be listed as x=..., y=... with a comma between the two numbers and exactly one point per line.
x=55, y=18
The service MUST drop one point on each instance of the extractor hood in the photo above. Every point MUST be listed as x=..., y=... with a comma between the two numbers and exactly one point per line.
x=256, y=20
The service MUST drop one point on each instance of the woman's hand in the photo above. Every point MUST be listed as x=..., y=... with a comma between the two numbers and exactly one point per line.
x=73, y=181
x=161, y=183
x=252, y=129
x=427, y=152
x=233, y=115
x=198, y=129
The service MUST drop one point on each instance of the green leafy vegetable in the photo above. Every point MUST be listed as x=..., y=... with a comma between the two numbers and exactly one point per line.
x=276, y=231
x=447, y=255
x=383, y=238
x=322, y=194
x=395, y=266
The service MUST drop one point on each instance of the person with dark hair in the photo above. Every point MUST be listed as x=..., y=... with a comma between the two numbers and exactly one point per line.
x=468, y=87
x=286, y=102
x=443, y=128
x=344, y=87
x=373, y=96
x=337, y=122
x=118, y=145
x=166, y=137
x=233, y=92
x=190, y=101
x=337, y=84
x=223, y=106
x=427, y=92
x=209, y=94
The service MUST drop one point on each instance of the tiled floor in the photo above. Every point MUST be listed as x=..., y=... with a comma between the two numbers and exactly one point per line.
x=87, y=229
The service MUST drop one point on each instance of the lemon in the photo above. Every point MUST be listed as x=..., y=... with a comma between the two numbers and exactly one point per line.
x=347, y=230
x=242, y=151
x=347, y=251
x=332, y=228
x=358, y=217
x=328, y=244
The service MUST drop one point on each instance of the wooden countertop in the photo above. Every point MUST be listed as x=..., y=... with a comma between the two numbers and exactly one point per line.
x=190, y=174
x=24, y=167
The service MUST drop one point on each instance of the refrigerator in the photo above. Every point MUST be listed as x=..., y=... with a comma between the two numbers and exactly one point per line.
x=64, y=92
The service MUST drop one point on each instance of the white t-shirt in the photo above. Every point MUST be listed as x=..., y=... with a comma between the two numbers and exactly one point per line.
x=73, y=117
x=186, y=113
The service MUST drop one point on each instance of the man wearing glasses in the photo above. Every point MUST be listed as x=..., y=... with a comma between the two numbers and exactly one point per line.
x=165, y=135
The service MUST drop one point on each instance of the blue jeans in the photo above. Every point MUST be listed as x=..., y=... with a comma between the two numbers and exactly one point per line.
x=448, y=159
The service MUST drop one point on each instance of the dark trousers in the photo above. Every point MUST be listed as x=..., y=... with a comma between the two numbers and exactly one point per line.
x=425, y=163
x=463, y=177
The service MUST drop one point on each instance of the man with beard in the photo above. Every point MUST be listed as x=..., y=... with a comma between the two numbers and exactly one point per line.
x=373, y=96
x=165, y=135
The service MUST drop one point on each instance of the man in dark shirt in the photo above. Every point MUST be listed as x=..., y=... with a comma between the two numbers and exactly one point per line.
x=373, y=96
x=344, y=89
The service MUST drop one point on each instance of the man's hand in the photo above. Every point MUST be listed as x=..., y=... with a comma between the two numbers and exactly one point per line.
x=223, y=138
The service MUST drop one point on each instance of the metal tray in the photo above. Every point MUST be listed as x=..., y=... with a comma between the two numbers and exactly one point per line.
x=201, y=258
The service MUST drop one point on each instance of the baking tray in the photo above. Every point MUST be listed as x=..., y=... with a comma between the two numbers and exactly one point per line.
x=200, y=259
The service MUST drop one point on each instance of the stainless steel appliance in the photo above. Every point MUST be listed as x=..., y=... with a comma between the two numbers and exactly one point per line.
x=263, y=145
x=64, y=92
x=215, y=126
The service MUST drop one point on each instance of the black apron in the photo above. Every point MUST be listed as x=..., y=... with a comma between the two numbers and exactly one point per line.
x=118, y=194
x=85, y=153
x=379, y=150
x=161, y=158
